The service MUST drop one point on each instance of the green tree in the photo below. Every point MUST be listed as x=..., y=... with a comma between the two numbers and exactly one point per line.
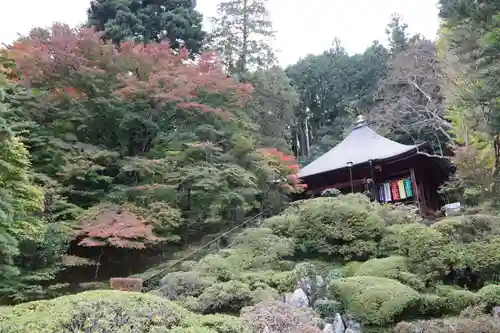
x=397, y=34
x=333, y=87
x=149, y=21
x=242, y=35
x=20, y=201
x=471, y=42
x=273, y=107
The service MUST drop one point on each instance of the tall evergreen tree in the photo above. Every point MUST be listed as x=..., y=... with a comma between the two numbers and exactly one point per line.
x=242, y=35
x=397, y=34
x=149, y=21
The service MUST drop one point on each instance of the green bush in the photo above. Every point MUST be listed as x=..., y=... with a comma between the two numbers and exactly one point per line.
x=346, y=227
x=398, y=214
x=395, y=267
x=390, y=242
x=260, y=249
x=482, y=258
x=225, y=297
x=264, y=293
x=351, y=268
x=490, y=295
x=468, y=228
x=457, y=299
x=110, y=311
x=281, y=281
x=482, y=324
x=375, y=300
x=389, y=267
x=327, y=309
x=223, y=269
x=432, y=305
x=182, y=284
x=424, y=247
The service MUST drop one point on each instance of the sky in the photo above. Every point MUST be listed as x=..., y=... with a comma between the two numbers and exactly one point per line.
x=302, y=27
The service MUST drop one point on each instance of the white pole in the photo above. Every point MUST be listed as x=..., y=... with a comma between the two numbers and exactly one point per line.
x=307, y=132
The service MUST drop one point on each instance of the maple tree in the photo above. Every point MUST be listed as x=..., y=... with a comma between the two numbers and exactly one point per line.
x=155, y=147
x=114, y=226
x=286, y=168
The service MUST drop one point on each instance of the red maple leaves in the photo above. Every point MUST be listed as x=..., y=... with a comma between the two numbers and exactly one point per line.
x=64, y=60
x=115, y=226
x=286, y=167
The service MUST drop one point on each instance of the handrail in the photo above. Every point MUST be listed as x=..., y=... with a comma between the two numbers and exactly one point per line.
x=163, y=271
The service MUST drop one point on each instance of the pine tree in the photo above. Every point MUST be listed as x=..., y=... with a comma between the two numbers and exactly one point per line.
x=149, y=21
x=242, y=35
x=397, y=35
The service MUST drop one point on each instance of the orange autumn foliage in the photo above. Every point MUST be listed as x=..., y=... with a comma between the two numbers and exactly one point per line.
x=62, y=59
x=286, y=168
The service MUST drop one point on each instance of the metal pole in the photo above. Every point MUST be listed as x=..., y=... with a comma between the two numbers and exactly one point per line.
x=307, y=134
x=350, y=176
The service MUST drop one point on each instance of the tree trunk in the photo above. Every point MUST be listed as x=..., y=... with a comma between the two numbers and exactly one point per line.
x=496, y=148
x=244, y=47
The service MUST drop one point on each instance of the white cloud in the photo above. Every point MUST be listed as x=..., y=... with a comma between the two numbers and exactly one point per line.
x=302, y=27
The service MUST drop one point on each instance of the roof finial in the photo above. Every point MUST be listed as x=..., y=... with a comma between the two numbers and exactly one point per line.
x=361, y=121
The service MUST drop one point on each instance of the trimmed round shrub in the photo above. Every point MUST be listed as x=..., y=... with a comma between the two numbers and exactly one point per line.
x=183, y=284
x=346, y=226
x=221, y=324
x=398, y=214
x=390, y=243
x=264, y=293
x=375, y=300
x=110, y=311
x=223, y=269
x=426, y=250
x=395, y=267
x=225, y=297
x=432, y=305
x=490, y=295
x=457, y=299
x=468, y=228
x=351, y=268
x=389, y=267
x=281, y=281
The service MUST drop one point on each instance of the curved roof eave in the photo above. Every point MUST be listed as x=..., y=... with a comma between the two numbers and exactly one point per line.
x=360, y=146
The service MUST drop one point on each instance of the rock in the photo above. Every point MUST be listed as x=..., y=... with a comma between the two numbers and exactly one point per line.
x=298, y=299
x=338, y=324
x=336, y=327
x=304, y=284
x=329, y=328
x=352, y=326
x=495, y=312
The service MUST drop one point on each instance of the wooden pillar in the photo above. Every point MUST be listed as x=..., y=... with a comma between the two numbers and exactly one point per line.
x=415, y=190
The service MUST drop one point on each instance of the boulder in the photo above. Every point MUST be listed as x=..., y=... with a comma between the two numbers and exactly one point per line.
x=298, y=299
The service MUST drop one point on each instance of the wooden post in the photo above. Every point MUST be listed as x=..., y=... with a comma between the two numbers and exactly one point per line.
x=415, y=190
